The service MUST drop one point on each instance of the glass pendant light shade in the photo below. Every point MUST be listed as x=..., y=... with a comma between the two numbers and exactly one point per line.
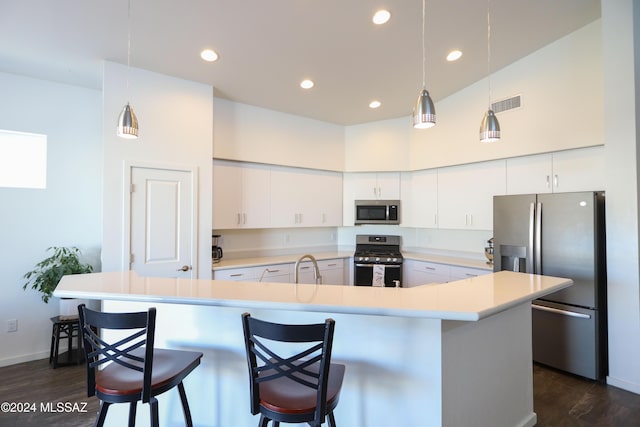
x=489, y=128
x=424, y=114
x=127, y=123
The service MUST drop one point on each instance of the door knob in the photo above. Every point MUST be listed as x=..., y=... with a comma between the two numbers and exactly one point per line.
x=184, y=268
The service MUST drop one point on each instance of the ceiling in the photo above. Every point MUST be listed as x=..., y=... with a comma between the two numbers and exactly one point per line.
x=267, y=47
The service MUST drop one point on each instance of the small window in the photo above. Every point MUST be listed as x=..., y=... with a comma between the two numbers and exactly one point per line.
x=23, y=160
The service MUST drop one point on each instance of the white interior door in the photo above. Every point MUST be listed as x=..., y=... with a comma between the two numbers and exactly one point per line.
x=162, y=222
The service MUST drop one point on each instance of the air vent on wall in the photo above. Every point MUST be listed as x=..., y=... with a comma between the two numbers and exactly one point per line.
x=507, y=104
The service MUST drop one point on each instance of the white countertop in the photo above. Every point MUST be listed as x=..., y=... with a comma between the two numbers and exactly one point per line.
x=467, y=300
x=449, y=260
x=291, y=258
x=277, y=259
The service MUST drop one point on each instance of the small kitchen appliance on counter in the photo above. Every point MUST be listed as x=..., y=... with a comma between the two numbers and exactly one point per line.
x=488, y=251
x=216, y=251
x=377, y=261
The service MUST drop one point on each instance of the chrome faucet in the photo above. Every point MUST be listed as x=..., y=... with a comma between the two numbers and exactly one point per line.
x=316, y=270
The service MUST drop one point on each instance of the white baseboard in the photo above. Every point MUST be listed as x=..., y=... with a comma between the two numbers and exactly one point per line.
x=625, y=385
x=23, y=358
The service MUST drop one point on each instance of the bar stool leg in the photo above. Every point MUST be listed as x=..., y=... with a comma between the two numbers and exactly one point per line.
x=57, y=346
x=53, y=340
x=70, y=342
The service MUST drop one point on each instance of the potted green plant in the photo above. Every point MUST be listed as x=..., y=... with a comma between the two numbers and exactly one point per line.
x=47, y=273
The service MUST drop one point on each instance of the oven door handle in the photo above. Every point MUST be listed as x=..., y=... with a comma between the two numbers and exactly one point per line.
x=385, y=265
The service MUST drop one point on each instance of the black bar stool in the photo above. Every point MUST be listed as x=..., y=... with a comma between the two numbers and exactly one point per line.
x=64, y=328
x=137, y=371
x=304, y=388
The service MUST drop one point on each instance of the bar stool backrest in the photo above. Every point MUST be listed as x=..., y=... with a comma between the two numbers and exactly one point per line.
x=309, y=367
x=123, y=351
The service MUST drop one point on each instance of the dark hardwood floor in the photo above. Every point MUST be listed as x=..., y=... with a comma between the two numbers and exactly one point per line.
x=560, y=400
x=42, y=389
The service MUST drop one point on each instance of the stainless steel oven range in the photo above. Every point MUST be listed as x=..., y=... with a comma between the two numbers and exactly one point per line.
x=377, y=261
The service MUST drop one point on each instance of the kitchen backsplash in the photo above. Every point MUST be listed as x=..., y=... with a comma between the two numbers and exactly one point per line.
x=282, y=241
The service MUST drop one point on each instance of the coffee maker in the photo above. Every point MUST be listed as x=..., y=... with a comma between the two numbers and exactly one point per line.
x=216, y=251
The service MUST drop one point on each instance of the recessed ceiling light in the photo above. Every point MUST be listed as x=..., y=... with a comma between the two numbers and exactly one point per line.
x=209, y=55
x=307, y=84
x=375, y=104
x=454, y=55
x=381, y=17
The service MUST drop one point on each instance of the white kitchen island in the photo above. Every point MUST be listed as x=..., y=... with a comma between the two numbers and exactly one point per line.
x=455, y=354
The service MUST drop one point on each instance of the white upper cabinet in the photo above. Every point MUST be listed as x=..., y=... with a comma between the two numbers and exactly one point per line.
x=368, y=186
x=240, y=195
x=562, y=171
x=248, y=195
x=465, y=194
x=579, y=170
x=373, y=185
x=305, y=198
x=420, y=199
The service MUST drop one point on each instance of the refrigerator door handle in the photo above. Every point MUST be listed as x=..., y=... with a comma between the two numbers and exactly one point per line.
x=532, y=216
x=562, y=312
x=538, y=243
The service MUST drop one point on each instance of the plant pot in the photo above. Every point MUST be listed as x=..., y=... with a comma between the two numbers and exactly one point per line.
x=69, y=307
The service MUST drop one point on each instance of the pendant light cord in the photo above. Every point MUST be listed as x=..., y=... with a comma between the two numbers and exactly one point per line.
x=424, y=52
x=128, y=42
x=489, y=50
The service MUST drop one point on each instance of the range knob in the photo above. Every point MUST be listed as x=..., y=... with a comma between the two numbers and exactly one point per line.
x=377, y=259
x=389, y=259
x=366, y=258
x=395, y=259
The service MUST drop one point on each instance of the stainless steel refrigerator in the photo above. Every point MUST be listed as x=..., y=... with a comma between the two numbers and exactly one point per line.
x=563, y=235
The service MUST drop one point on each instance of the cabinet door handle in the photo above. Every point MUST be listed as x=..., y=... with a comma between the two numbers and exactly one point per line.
x=331, y=265
x=429, y=268
x=244, y=218
x=548, y=182
x=236, y=275
x=555, y=180
x=238, y=218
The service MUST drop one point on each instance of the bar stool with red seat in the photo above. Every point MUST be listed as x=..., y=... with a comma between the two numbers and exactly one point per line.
x=137, y=371
x=299, y=388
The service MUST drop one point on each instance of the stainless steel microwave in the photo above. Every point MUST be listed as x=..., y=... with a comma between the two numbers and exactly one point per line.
x=377, y=212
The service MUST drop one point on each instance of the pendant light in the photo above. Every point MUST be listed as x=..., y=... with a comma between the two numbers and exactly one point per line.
x=489, y=127
x=127, y=121
x=424, y=113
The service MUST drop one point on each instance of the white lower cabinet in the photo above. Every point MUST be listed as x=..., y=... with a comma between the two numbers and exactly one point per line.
x=459, y=273
x=418, y=273
x=331, y=270
x=280, y=273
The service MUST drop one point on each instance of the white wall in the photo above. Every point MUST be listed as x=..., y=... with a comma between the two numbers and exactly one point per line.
x=254, y=134
x=378, y=146
x=176, y=128
x=562, y=97
x=621, y=36
x=67, y=213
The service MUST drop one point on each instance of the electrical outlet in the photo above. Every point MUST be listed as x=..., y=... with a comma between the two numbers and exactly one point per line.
x=12, y=325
